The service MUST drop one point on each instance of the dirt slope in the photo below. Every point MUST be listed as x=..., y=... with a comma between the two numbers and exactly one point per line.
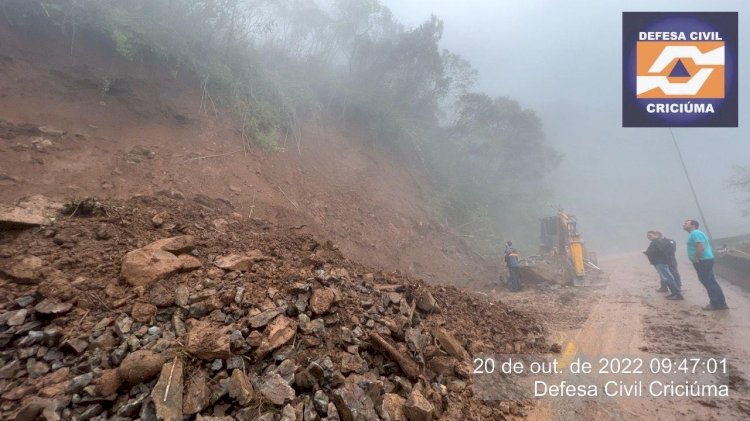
x=60, y=137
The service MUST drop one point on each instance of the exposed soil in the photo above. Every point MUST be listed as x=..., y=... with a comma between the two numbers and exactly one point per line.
x=59, y=136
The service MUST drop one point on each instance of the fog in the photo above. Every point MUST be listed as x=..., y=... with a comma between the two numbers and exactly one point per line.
x=563, y=59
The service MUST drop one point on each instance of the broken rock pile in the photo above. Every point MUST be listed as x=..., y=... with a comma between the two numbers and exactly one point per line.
x=115, y=317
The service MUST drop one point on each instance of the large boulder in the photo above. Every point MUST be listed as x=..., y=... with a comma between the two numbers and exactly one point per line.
x=142, y=267
x=26, y=270
x=140, y=367
x=158, y=260
x=28, y=212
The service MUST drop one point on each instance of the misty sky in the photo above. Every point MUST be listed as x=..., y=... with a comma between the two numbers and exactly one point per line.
x=563, y=59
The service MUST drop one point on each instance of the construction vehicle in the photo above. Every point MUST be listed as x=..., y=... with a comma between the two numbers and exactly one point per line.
x=562, y=251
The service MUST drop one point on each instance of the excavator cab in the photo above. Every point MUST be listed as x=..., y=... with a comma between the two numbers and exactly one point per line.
x=560, y=238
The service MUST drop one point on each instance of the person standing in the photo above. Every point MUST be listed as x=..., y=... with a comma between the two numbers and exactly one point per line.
x=700, y=253
x=514, y=267
x=670, y=247
x=658, y=254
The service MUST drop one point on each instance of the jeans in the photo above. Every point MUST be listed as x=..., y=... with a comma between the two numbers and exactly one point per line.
x=515, y=278
x=705, y=270
x=675, y=274
x=668, y=279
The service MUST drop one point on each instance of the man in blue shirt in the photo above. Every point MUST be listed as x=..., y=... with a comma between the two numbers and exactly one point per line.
x=700, y=253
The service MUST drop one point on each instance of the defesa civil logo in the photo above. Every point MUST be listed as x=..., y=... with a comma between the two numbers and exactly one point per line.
x=679, y=69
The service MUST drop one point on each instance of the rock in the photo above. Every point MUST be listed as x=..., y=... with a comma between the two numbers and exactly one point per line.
x=27, y=270
x=58, y=289
x=240, y=388
x=51, y=306
x=32, y=409
x=77, y=384
x=217, y=364
x=189, y=263
x=36, y=368
x=182, y=295
x=142, y=267
x=103, y=232
x=280, y=331
x=442, y=366
x=91, y=412
x=451, y=345
x=320, y=400
x=352, y=363
x=112, y=290
x=123, y=326
x=456, y=386
x=161, y=296
x=18, y=392
x=175, y=245
x=107, y=383
x=8, y=371
x=353, y=403
x=104, y=341
x=157, y=220
x=426, y=303
x=234, y=262
x=24, y=301
x=417, y=408
x=202, y=308
x=172, y=194
x=393, y=405
x=54, y=390
x=206, y=340
x=262, y=319
x=321, y=300
x=17, y=318
x=275, y=389
x=131, y=408
x=167, y=394
x=143, y=312
x=178, y=325
x=28, y=212
x=140, y=367
x=197, y=393
x=288, y=413
x=75, y=346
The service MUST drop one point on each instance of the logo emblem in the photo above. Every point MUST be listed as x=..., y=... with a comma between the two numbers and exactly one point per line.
x=679, y=69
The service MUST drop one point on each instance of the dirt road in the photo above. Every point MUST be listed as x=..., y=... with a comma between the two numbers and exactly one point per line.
x=626, y=317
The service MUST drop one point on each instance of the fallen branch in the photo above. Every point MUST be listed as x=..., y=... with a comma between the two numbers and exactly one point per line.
x=212, y=156
x=409, y=367
x=287, y=198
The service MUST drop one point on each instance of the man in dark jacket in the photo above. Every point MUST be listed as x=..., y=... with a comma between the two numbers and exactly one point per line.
x=670, y=246
x=659, y=254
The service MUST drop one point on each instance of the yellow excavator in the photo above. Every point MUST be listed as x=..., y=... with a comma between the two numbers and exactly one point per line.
x=563, y=245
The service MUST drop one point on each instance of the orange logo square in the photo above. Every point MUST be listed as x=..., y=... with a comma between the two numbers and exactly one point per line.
x=679, y=69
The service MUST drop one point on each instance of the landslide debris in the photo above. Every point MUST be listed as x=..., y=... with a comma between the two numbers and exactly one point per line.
x=249, y=322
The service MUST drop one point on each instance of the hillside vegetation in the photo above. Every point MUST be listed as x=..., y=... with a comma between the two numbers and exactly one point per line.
x=281, y=64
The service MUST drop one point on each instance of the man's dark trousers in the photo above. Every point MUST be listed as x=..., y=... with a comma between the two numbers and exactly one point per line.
x=705, y=270
x=515, y=278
